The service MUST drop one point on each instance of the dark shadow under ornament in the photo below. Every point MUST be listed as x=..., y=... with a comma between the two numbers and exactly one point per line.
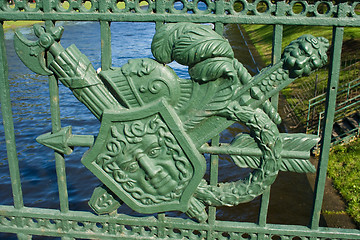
x=155, y=126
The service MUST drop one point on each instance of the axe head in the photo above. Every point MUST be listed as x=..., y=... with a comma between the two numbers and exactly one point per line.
x=32, y=53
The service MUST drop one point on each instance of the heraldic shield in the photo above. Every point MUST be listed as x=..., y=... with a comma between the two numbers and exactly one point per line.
x=145, y=158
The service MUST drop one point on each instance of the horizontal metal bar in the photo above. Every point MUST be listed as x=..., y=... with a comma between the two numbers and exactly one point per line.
x=81, y=217
x=229, y=150
x=347, y=134
x=344, y=88
x=346, y=102
x=166, y=17
x=341, y=109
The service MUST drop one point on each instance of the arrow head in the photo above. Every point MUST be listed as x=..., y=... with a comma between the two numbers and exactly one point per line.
x=57, y=141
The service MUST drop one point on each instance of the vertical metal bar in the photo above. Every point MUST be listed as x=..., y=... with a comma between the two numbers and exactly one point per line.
x=106, y=57
x=214, y=159
x=10, y=133
x=308, y=117
x=214, y=173
x=105, y=31
x=59, y=158
x=9, y=125
x=276, y=54
x=264, y=206
x=334, y=70
x=319, y=124
x=159, y=8
x=161, y=226
x=219, y=9
x=219, y=28
x=56, y=126
x=158, y=25
x=277, y=43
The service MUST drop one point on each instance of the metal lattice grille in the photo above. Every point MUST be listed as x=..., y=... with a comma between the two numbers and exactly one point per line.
x=26, y=221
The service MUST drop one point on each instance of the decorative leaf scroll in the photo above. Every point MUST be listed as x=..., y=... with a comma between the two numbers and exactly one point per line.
x=164, y=41
x=212, y=69
x=200, y=44
x=294, y=144
x=188, y=46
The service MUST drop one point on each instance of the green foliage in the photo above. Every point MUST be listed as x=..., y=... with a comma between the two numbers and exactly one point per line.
x=344, y=168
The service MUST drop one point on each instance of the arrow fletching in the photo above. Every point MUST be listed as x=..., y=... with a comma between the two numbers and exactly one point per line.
x=294, y=156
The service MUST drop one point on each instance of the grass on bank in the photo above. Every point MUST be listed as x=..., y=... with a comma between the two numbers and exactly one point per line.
x=261, y=36
x=344, y=169
x=16, y=24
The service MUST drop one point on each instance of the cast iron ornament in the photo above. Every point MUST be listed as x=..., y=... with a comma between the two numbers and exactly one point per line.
x=155, y=126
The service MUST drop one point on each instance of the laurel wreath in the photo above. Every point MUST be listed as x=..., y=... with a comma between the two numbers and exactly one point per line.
x=209, y=57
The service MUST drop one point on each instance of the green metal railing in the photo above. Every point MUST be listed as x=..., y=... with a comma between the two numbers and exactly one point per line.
x=348, y=102
x=344, y=109
x=28, y=221
x=344, y=95
x=339, y=114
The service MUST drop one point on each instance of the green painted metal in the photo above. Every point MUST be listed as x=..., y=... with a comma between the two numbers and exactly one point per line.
x=63, y=140
x=349, y=106
x=130, y=153
x=9, y=126
x=338, y=33
x=149, y=151
x=346, y=105
x=342, y=14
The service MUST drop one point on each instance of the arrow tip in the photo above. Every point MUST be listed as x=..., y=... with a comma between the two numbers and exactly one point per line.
x=57, y=141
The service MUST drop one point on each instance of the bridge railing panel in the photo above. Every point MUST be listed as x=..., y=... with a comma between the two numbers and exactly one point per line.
x=26, y=221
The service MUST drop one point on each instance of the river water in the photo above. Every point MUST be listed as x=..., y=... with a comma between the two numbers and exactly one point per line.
x=291, y=195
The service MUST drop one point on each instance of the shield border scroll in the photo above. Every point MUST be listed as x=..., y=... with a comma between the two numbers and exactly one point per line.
x=174, y=124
